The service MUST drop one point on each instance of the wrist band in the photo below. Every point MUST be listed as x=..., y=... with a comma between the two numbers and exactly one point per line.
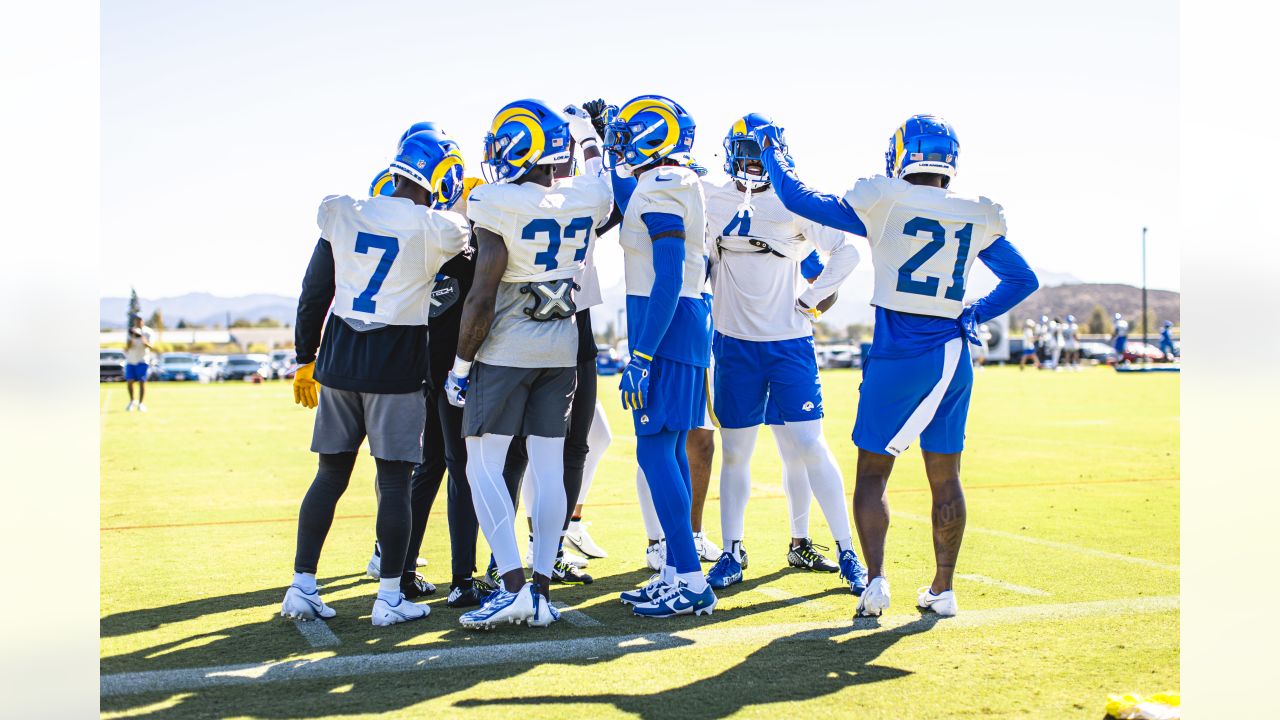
x=639, y=354
x=461, y=368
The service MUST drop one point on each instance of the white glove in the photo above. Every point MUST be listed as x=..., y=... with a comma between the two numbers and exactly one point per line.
x=580, y=127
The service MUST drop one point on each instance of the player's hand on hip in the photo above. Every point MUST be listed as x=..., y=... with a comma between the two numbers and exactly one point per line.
x=635, y=382
x=812, y=313
x=306, y=391
x=969, y=323
x=455, y=389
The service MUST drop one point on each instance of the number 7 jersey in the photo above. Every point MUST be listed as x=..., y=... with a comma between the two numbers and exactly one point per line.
x=924, y=241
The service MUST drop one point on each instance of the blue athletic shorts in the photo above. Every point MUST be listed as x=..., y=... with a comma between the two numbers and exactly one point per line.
x=1120, y=343
x=1028, y=351
x=781, y=375
x=136, y=371
x=926, y=396
x=677, y=398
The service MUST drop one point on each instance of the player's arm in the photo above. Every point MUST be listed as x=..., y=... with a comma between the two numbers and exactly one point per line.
x=667, y=233
x=313, y=306
x=1017, y=282
x=842, y=258
x=477, y=311
x=812, y=205
x=812, y=266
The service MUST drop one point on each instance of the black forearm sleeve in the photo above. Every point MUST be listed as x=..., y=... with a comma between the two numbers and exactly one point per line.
x=313, y=304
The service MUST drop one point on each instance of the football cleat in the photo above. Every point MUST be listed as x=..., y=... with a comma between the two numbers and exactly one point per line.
x=944, y=603
x=464, y=595
x=491, y=573
x=578, y=536
x=563, y=572
x=301, y=605
x=501, y=607
x=727, y=571
x=414, y=586
x=544, y=613
x=707, y=550
x=678, y=600
x=571, y=558
x=130, y=406
x=875, y=599
x=851, y=571
x=384, y=613
x=374, y=568
x=655, y=556
x=142, y=407
x=641, y=595
x=806, y=557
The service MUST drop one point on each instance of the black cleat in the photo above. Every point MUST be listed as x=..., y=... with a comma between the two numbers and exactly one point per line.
x=464, y=594
x=414, y=586
x=567, y=574
x=807, y=557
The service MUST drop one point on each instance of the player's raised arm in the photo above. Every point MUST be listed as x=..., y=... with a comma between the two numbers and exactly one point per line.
x=819, y=207
x=477, y=310
x=1017, y=282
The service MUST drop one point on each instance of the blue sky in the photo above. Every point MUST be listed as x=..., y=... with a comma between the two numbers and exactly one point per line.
x=225, y=123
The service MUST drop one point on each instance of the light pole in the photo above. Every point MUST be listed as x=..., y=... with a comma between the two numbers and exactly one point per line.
x=1144, y=290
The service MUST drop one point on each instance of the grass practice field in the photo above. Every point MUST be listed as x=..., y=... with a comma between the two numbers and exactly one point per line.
x=1068, y=582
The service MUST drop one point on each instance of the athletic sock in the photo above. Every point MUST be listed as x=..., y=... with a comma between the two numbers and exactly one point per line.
x=696, y=581
x=389, y=590
x=305, y=581
x=735, y=549
x=668, y=573
x=844, y=544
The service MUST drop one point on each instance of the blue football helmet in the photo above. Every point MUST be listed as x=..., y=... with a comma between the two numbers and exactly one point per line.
x=525, y=133
x=433, y=161
x=646, y=130
x=740, y=149
x=384, y=183
x=419, y=127
x=924, y=144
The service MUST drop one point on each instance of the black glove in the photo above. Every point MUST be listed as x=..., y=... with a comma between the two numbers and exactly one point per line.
x=597, y=108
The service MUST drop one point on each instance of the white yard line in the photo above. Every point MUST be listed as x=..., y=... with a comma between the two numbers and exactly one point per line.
x=318, y=634
x=1020, y=589
x=611, y=645
x=1050, y=543
x=576, y=618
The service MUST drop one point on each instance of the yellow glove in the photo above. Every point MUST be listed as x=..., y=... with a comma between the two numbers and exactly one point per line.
x=306, y=391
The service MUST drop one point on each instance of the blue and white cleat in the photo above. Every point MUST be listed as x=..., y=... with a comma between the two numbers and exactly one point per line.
x=875, y=599
x=678, y=600
x=501, y=607
x=641, y=595
x=944, y=603
x=544, y=613
x=384, y=613
x=301, y=605
x=727, y=571
x=852, y=571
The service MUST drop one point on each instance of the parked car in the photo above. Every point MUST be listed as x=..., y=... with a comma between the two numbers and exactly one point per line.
x=209, y=367
x=608, y=360
x=242, y=367
x=839, y=356
x=1143, y=352
x=1097, y=351
x=281, y=362
x=178, y=366
x=110, y=365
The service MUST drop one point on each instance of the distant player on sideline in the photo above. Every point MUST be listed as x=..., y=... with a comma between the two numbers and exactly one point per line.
x=518, y=330
x=376, y=262
x=663, y=238
x=1166, y=340
x=1071, y=343
x=763, y=346
x=1120, y=337
x=1029, y=354
x=917, y=378
x=1057, y=341
x=137, y=361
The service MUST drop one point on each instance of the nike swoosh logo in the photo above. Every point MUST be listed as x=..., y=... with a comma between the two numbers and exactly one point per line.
x=662, y=179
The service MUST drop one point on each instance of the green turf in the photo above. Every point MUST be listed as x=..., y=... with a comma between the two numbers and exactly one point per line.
x=200, y=495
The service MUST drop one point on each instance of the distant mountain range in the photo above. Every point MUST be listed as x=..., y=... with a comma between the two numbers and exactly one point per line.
x=1081, y=299
x=201, y=309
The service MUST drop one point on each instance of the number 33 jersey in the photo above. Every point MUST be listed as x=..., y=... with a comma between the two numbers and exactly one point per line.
x=923, y=242
x=386, y=253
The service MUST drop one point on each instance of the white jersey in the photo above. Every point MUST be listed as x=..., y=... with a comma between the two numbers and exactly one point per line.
x=547, y=230
x=135, y=351
x=1071, y=336
x=755, y=263
x=666, y=189
x=1122, y=327
x=386, y=253
x=924, y=241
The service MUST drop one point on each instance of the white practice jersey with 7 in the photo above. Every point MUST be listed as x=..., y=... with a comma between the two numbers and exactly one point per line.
x=924, y=241
x=755, y=263
x=386, y=253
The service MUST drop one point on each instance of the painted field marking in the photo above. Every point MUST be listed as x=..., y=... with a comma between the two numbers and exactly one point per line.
x=576, y=618
x=1050, y=543
x=318, y=634
x=610, y=645
x=1020, y=589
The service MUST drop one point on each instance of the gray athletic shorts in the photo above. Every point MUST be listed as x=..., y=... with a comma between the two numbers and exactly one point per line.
x=519, y=401
x=393, y=423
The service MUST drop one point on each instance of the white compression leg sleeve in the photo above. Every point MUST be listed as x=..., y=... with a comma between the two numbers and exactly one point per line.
x=526, y=489
x=737, y=445
x=795, y=483
x=824, y=476
x=652, y=528
x=598, y=439
x=486, y=456
x=549, y=504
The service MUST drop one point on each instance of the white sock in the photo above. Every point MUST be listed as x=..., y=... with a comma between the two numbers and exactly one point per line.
x=648, y=513
x=734, y=548
x=795, y=483
x=824, y=476
x=486, y=456
x=735, y=480
x=598, y=439
x=548, y=505
x=668, y=573
x=389, y=590
x=305, y=581
x=696, y=581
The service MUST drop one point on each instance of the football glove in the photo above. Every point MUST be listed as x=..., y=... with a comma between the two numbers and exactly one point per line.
x=768, y=135
x=306, y=391
x=455, y=389
x=812, y=313
x=581, y=129
x=969, y=323
x=598, y=109
x=635, y=382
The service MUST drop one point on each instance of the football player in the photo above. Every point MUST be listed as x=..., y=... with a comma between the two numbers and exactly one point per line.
x=1029, y=354
x=1167, y=347
x=1071, y=343
x=517, y=350
x=1120, y=337
x=663, y=237
x=375, y=262
x=764, y=312
x=917, y=379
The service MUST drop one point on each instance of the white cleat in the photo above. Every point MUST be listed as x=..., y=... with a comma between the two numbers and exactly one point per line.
x=501, y=607
x=543, y=612
x=142, y=408
x=707, y=550
x=384, y=613
x=944, y=603
x=569, y=558
x=301, y=605
x=130, y=406
x=578, y=536
x=655, y=556
x=875, y=599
